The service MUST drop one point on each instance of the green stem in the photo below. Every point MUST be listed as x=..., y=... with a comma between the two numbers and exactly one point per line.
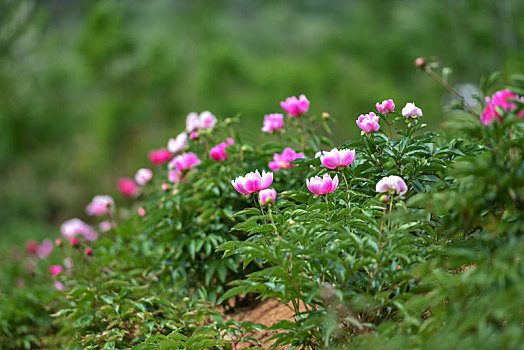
x=347, y=187
x=273, y=223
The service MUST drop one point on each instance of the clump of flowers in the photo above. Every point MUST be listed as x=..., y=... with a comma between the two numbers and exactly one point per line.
x=127, y=187
x=204, y=120
x=253, y=182
x=143, y=176
x=368, y=122
x=282, y=161
x=267, y=196
x=392, y=184
x=411, y=111
x=273, y=122
x=337, y=159
x=160, y=156
x=295, y=106
x=320, y=186
x=386, y=107
x=218, y=152
x=100, y=205
x=500, y=102
x=76, y=227
x=177, y=144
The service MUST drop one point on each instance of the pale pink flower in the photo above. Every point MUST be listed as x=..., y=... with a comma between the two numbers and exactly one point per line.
x=105, y=226
x=253, y=182
x=392, y=184
x=295, y=106
x=100, y=205
x=45, y=249
x=218, y=152
x=165, y=187
x=127, y=187
x=143, y=176
x=177, y=144
x=336, y=159
x=55, y=269
x=321, y=186
x=386, y=107
x=141, y=211
x=174, y=176
x=184, y=162
x=160, y=156
x=368, y=122
x=267, y=196
x=502, y=100
x=282, y=160
x=194, y=121
x=68, y=263
x=273, y=122
x=410, y=110
x=76, y=227
x=59, y=286
x=207, y=120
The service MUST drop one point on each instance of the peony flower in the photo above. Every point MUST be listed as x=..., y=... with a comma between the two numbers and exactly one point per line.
x=207, y=120
x=177, y=144
x=368, y=122
x=267, y=196
x=295, y=106
x=45, y=249
x=336, y=159
x=31, y=247
x=75, y=227
x=500, y=99
x=282, y=160
x=105, y=226
x=100, y=205
x=55, y=269
x=392, y=184
x=193, y=135
x=410, y=110
x=127, y=187
x=253, y=182
x=160, y=156
x=321, y=186
x=273, y=122
x=143, y=176
x=194, y=121
x=174, y=176
x=386, y=107
x=184, y=162
x=88, y=251
x=218, y=152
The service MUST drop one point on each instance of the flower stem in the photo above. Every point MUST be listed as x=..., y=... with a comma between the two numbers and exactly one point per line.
x=347, y=187
x=273, y=223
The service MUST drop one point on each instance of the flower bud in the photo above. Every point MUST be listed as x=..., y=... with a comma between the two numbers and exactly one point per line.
x=89, y=251
x=325, y=115
x=74, y=241
x=165, y=187
x=58, y=242
x=141, y=211
x=420, y=62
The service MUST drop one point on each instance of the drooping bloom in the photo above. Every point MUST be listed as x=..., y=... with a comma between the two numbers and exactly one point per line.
x=127, y=187
x=55, y=269
x=267, y=196
x=282, y=160
x=76, y=227
x=194, y=121
x=218, y=152
x=368, y=122
x=295, y=106
x=502, y=100
x=336, y=159
x=273, y=122
x=177, y=144
x=45, y=249
x=386, y=107
x=322, y=185
x=100, y=205
x=410, y=110
x=143, y=176
x=392, y=184
x=253, y=182
x=160, y=156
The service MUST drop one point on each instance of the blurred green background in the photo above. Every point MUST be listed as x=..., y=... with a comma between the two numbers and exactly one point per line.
x=87, y=88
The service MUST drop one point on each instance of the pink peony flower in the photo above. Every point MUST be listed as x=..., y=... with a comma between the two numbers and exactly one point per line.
x=143, y=176
x=100, y=205
x=31, y=247
x=75, y=227
x=194, y=121
x=177, y=144
x=321, y=186
x=127, y=187
x=368, y=122
x=59, y=285
x=184, y=162
x=336, y=159
x=105, y=226
x=267, y=196
x=410, y=110
x=253, y=182
x=193, y=135
x=502, y=100
x=174, y=176
x=218, y=152
x=295, y=106
x=55, y=269
x=45, y=249
x=282, y=160
x=392, y=184
x=141, y=211
x=273, y=122
x=386, y=107
x=160, y=156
